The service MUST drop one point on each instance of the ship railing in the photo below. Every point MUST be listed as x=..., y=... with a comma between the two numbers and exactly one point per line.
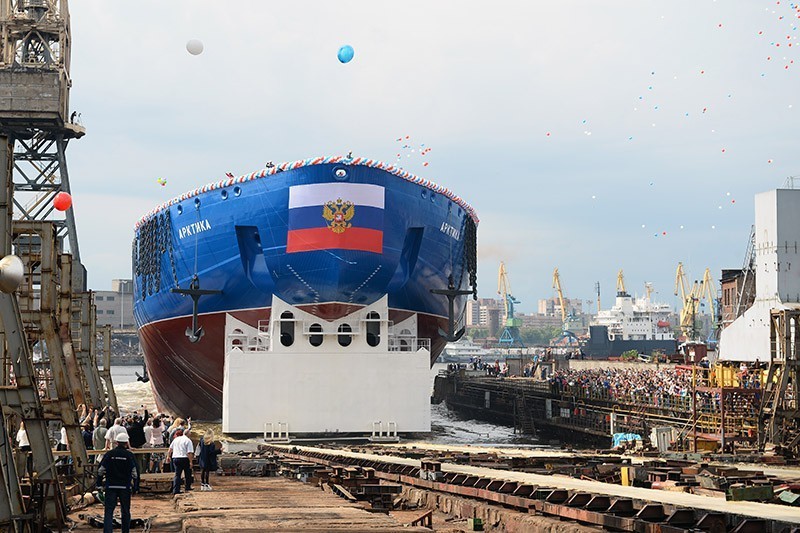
x=247, y=343
x=263, y=328
x=408, y=344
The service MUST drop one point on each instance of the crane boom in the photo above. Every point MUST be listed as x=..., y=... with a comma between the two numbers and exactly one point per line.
x=620, y=282
x=557, y=287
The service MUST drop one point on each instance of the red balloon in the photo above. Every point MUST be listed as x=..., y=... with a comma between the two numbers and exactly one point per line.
x=62, y=201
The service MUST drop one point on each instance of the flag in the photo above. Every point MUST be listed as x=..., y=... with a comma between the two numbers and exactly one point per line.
x=344, y=216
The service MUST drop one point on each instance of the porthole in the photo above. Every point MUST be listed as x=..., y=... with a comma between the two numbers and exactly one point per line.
x=340, y=173
x=237, y=191
x=424, y=193
x=179, y=209
x=373, y=328
x=287, y=328
x=315, y=340
x=224, y=194
x=197, y=203
x=344, y=335
x=433, y=197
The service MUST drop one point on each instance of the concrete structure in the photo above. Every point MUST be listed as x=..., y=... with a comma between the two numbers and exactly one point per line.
x=538, y=321
x=777, y=283
x=115, y=307
x=297, y=374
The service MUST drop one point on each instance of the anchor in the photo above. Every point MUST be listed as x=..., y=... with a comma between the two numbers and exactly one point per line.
x=195, y=332
x=452, y=293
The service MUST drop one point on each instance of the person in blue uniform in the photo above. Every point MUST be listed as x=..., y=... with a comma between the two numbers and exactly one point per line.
x=121, y=474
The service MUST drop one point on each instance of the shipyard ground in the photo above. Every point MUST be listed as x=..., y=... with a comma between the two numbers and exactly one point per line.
x=284, y=504
x=239, y=504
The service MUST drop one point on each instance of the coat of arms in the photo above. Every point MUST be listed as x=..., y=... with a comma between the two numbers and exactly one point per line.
x=338, y=214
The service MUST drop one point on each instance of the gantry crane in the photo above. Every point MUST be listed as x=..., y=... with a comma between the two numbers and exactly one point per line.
x=690, y=298
x=566, y=318
x=510, y=337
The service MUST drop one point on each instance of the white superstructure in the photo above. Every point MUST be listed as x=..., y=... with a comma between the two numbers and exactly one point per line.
x=635, y=319
x=777, y=269
x=463, y=350
x=297, y=374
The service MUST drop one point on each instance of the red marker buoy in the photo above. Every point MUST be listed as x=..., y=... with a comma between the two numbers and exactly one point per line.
x=62, y=201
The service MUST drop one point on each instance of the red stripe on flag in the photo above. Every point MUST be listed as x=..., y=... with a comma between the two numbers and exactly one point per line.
x=307, y=240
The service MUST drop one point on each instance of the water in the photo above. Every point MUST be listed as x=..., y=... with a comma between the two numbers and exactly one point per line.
x=447, y=427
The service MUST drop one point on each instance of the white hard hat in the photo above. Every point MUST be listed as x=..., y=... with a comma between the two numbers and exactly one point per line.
x=122, y=437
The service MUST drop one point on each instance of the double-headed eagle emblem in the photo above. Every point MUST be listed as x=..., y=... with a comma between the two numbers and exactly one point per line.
x=338, y=214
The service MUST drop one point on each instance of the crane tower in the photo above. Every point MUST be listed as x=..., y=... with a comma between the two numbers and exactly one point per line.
x=510, y=337
x=35, y=43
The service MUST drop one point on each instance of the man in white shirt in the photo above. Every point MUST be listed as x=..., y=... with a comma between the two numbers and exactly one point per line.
x=181, y=452
x=111, y=434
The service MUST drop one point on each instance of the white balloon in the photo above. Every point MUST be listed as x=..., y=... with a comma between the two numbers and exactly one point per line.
x=194, y=47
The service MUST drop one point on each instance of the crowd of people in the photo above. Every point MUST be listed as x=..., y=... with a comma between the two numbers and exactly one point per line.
x=119, y=468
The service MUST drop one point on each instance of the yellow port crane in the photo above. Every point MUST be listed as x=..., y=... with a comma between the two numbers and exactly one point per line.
x=690, y=299
x=510, y=337
x=620, y=283
x=557, y=287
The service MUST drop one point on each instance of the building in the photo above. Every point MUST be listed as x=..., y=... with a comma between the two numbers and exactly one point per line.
x=540, y=321
x=736, y=284
x=483, y=312
x=115, y=307
x=552, y=307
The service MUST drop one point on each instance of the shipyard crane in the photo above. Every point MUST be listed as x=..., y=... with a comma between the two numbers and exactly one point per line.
x=510, y=337
x=690, y=301
x=708, y=290
x=648, y=290
x=621, y=283
x=566, y=318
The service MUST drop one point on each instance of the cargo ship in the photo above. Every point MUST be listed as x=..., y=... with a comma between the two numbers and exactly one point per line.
x=631, y=324
x=326, y=236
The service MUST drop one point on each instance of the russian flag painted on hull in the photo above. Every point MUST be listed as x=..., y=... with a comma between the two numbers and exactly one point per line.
x=344, y=216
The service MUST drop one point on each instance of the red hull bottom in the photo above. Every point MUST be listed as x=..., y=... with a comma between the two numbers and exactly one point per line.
x=186, y=378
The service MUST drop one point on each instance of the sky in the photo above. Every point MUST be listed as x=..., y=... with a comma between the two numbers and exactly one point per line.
x=591, y=136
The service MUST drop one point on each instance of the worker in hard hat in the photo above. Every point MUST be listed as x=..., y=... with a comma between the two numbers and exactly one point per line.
x=121, y=474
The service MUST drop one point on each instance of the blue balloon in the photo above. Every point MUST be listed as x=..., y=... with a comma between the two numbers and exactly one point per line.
x=346, y=53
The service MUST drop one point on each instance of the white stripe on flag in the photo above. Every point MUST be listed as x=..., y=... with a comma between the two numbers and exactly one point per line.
x=320, y=193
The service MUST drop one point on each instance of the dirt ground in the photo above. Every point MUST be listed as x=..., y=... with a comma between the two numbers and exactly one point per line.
x=242, y=504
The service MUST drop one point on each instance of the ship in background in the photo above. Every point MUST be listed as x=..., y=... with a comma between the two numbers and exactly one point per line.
x=631, y=324
x=323, y=238
x=465, y=351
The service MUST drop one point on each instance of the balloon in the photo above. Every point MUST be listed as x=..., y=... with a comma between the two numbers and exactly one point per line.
x=346, y=53
x=62, y=201
x=194, y=47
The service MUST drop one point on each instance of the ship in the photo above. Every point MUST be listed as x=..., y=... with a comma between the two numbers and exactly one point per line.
x=464, y=351
x=323, y=238
x=631, y=324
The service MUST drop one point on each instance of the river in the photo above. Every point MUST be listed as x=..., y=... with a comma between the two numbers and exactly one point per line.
x=447, y=427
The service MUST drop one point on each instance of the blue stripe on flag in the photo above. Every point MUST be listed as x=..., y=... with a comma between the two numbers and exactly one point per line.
x=311, y=217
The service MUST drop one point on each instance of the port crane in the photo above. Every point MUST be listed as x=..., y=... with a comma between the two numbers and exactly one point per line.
x=708, y=290
x=621, y=283
x=690, y=297
x=566, y=318
x=510, y=337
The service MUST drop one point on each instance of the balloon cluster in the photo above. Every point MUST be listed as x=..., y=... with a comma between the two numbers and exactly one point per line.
x=162, y=181
x=410, y=150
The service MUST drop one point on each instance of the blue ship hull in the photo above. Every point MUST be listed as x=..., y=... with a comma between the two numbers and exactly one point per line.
x=233, y=236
